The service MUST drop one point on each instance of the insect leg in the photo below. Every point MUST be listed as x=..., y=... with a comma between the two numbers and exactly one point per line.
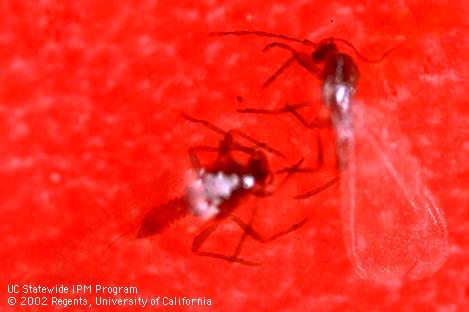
x=288, y=171
x=318, y=189
x=194, y=158
x=302, y=58
x=291, y=169
x=245, y=234
x=229, y=134
x=297, y=169
x=257, y=143
x=292, y=109
x=279, y=71
x=249, y=230
x=287, y=109
x=202, y=237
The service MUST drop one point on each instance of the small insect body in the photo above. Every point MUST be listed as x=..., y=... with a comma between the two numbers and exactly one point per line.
x=215, y=190
x=339, y=81
x=393, y=227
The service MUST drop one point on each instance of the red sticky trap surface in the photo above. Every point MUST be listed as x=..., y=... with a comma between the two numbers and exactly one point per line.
x=91, y=140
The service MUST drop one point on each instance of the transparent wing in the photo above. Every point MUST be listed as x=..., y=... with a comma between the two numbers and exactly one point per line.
x=392, y=226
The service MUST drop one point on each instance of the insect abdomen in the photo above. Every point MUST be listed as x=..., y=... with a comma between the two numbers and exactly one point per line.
x=162, y=216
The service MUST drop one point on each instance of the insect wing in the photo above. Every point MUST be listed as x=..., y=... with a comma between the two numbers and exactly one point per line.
x=392, y=226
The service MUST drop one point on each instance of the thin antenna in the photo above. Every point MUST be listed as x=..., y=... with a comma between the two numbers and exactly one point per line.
x=364, y=58
x=262, y=34
x=305, y=42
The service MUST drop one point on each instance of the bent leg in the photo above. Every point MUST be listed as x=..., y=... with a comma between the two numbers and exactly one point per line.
x=202, y=237
x=249, y=230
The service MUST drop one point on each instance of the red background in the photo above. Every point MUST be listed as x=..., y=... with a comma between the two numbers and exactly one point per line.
x=91, y=141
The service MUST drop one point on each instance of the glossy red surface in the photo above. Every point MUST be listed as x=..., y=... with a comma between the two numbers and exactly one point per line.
x=91, y=139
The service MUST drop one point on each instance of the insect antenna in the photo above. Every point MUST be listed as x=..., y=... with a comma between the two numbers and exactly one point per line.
x=305, y=42
x=261, y=33
x=364, y=58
